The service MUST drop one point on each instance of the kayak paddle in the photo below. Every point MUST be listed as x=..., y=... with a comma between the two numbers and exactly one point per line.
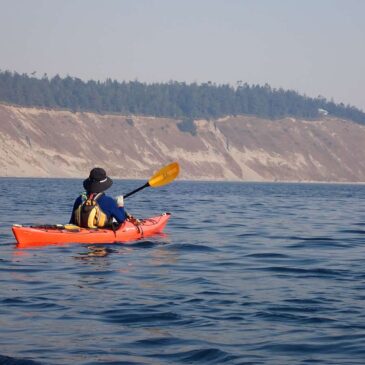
x=162, y=177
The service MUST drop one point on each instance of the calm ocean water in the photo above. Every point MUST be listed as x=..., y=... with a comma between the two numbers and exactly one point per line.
x=246, y=274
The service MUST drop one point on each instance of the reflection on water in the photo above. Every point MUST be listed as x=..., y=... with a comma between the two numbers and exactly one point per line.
x=94, y=251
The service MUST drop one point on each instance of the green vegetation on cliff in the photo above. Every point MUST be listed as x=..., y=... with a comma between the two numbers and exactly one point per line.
x=173, y=99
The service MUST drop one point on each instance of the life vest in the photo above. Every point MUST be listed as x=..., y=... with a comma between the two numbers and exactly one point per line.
x=89, y=214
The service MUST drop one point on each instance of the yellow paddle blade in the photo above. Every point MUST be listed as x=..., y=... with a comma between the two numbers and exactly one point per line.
x=164, y=176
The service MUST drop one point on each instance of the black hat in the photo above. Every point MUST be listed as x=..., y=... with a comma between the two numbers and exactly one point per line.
x=97, y=181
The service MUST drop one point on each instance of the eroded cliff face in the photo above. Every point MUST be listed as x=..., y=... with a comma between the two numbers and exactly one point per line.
x=48, y=143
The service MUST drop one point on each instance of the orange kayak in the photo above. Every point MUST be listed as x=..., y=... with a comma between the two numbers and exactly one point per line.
x=45, y=235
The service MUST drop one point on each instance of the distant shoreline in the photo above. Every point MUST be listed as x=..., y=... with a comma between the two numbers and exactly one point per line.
x=191, y=180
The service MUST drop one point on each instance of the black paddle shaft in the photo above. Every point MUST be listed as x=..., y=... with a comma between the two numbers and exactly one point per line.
x=147, y=184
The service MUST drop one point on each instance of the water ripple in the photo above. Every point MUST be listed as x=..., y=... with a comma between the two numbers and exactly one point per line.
x=6, y=360
x=245, y=274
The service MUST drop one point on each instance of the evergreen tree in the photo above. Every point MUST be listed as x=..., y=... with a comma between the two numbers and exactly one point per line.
x=173, y=99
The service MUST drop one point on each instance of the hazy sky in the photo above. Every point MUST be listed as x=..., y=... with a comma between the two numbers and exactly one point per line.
x=316, y=47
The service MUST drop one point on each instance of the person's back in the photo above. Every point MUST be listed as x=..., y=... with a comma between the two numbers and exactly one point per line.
x=94, y=209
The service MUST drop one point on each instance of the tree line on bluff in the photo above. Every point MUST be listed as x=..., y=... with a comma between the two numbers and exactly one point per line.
x=174, y=99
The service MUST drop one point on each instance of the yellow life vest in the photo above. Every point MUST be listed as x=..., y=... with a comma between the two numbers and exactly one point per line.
x=89, y=214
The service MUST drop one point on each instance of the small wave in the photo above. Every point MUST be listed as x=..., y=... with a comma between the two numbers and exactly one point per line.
x=194, y=280
x=32, y=303
x=158, y=341
x=228, y=264
x=268, y=255
x=242, y=235
x=355, y=231
x=215, y=292
x=317, y=239
x=13, y=301
x=7, y=360
x=290, y=317
x=332, y=347
x=142, y=244
x=114, y=362
x=209, y=355
x=194, y=300
x=360, y=224
x=315, y=272
x=307, y=301
x=23, y=270
x=319, y=243
x=120, y=316
x=192, y=247
x=297, y=309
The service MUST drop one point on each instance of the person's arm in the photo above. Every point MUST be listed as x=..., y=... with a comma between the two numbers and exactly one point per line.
x=114, y=208
x=119, y=214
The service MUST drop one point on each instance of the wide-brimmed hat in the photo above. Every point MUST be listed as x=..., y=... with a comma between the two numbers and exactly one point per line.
x=97, y=181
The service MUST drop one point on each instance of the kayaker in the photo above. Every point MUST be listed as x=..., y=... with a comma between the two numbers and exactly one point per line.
x=94, y=209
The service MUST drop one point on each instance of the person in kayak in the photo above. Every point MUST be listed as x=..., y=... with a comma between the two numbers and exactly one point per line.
x=94, y=209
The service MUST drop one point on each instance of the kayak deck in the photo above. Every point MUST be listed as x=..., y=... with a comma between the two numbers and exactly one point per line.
x=45, y=235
